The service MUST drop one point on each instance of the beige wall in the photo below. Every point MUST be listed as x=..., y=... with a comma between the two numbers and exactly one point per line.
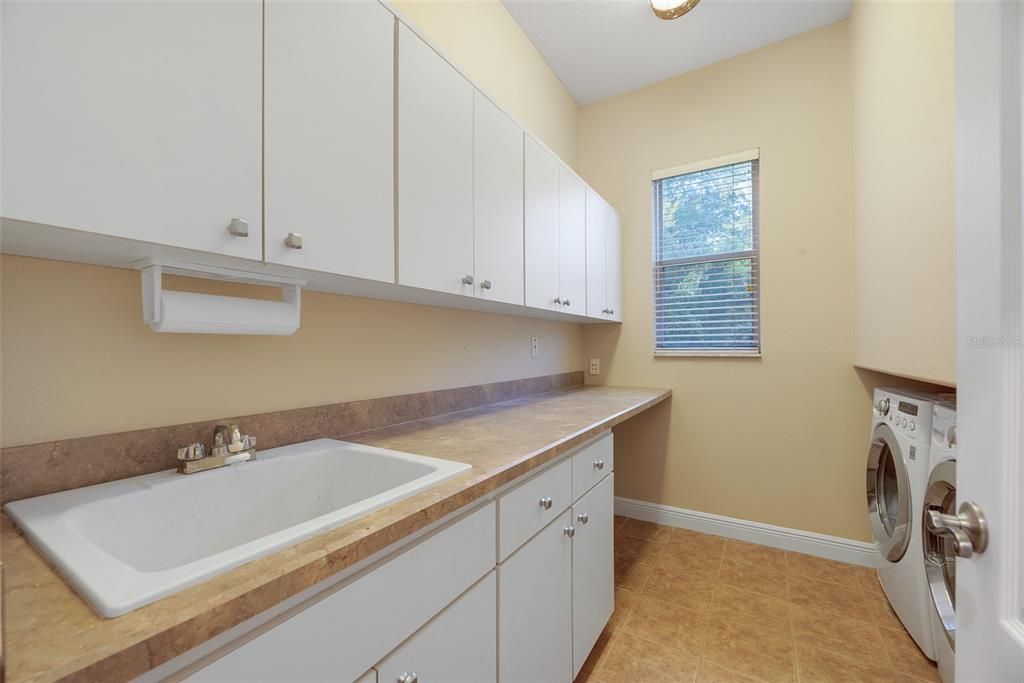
x=77, y=360
x=483, y=39
x=903, y=132
x=780, y=439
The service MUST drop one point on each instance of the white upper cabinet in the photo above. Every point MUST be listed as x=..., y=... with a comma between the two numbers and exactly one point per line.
x=572, y=242
x=497, y=203
x=613, y=263
x=435, y=170
x=330, y=136
x=597, y=303
x=135, y=119
x=541, y=201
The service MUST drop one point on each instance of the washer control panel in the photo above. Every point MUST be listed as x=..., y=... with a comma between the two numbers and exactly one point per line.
x=907, y=415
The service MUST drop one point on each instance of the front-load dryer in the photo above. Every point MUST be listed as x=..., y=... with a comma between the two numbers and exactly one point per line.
x=939, y=552
x=897, y=476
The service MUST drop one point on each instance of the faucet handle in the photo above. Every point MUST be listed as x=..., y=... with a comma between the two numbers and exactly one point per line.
x=193, y=451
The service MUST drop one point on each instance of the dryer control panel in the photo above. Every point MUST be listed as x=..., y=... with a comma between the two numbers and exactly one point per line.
x=944, y=426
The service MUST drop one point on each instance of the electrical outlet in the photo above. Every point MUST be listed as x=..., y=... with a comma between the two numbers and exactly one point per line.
x=595, y=366
x=534, y=351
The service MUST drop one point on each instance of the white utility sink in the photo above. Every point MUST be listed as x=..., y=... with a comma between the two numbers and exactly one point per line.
x=127, y=543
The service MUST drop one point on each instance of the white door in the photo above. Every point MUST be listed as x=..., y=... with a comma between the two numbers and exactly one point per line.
x=597, y=302
x=435, y=170
x=541, y=223
x=613, y=263
x=990, y=367
x=135, y=119
x=535, y=608
x=572, y=242
x=497, y=203
x=457, y=646
x=593, y=580
x=330, y=136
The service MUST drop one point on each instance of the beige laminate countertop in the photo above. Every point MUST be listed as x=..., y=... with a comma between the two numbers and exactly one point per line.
x=52, y=634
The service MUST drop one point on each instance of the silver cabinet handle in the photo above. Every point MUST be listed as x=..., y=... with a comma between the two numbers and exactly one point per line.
x=293, y=240
x=239, y=227
x=467, y=280
x=968, y=527
x=546, y=502
x=408, y=677
x=583, y=518
x=486, y=284
x=558, y=300
x=599, y=464
x=569, y=531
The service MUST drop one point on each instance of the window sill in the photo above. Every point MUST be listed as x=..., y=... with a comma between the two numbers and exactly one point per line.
x=708, y=354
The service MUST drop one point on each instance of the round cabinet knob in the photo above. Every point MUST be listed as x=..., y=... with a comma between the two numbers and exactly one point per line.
x=599, y=464
x=611, y=311
x=293, y=240
x=408, y=677
x=239, y=227
x=546, y=502
x=566, y=303
x=558, y=300
x=467, y=280
x=486, y=284
x=606, y=311
x=583, y=517
x=569, y=531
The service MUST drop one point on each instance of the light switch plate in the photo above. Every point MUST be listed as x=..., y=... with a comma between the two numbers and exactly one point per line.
x=595, y=366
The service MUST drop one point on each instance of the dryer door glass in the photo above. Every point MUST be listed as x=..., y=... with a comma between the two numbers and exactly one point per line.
x=888, y=491
x=939, y=552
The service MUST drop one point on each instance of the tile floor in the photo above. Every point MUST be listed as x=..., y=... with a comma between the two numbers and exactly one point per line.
x=691, y=607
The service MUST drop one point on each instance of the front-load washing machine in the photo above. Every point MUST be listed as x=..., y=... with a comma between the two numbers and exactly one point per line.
x=939, y=551
x=897, y=476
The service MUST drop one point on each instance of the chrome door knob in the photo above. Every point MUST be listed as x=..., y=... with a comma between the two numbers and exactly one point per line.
x=408, y=677
x=293, y=240
x=569, y=531
x=239, y=227
x=486, y=284
x=599, y=464
x=467, y=279
x=583, y=518
x=968, y=527
x=546, y=502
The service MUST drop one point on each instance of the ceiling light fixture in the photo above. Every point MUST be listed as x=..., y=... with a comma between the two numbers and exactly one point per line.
x=672, y=9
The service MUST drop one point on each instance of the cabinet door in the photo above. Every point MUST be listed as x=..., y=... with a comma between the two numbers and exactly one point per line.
x=330, y=136
x=457, y=646
x=135, y=119
x=572, y=242
x=596, y=211
x=541, y=222
x=435, y=170
x=535, y=609
x=613, y=263
x=497, y=203
x=593, y=581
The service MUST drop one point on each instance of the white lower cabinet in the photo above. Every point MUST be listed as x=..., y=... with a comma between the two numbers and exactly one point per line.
x=535, y=608
x=461, y=604
x=457, y=646
x=593, y=571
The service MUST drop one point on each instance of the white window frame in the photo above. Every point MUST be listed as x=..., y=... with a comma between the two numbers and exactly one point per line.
x=754, y=253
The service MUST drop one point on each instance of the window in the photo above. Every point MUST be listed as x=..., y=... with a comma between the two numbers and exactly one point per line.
x=706, y=258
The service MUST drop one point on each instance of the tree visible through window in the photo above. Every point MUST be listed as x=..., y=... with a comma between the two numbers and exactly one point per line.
x=706, y=297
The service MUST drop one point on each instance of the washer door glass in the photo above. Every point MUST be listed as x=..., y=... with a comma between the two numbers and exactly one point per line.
x=939, y=552
x=888, y=489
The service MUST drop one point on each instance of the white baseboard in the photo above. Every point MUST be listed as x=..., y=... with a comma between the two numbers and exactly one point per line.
x=821, y=545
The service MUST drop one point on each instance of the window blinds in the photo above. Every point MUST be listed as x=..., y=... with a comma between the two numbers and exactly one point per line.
x=706, y=260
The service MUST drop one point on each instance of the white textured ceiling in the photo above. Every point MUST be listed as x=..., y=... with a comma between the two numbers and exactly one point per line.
x=601, y=48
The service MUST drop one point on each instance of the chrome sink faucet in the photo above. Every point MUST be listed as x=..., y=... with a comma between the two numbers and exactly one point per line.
x=230, y=446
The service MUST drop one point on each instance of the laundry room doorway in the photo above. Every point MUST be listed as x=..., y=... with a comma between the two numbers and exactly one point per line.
x=990, y=367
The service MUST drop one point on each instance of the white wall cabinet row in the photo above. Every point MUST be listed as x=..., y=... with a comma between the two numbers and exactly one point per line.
x=324, y=136
x=447, y=609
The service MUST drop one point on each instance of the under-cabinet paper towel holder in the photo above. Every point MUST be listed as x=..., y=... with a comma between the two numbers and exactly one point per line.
x=192, y=312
